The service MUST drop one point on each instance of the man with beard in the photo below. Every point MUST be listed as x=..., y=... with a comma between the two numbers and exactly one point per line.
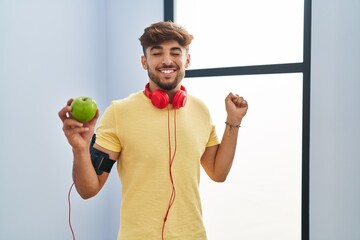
x=159, y=137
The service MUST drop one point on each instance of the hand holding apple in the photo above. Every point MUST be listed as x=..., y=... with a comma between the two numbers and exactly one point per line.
x=83, y=109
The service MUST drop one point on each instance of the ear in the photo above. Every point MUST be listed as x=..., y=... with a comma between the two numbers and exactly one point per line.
x=188, y=58
x=143, y=62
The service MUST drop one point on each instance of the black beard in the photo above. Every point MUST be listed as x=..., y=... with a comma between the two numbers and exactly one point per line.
x=165, y=86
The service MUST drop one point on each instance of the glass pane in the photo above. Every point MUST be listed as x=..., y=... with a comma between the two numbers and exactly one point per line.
x=261, y=199
x=241, y=32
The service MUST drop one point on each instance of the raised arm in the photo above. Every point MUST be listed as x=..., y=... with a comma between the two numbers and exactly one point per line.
x=79, y=135
x=217, y=160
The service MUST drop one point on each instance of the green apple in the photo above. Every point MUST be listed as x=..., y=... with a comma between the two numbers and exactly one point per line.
x=83, y=109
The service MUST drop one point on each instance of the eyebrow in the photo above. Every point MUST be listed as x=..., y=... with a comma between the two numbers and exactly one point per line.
x=158, y=47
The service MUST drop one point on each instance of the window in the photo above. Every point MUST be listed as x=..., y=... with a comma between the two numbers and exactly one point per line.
x=261, y=50
x=242, y=32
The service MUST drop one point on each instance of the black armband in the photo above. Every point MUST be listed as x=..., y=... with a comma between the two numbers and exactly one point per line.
x=100, y=160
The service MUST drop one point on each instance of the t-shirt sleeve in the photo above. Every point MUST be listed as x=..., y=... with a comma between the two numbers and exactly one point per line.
x=213, y=139
x=106, y=132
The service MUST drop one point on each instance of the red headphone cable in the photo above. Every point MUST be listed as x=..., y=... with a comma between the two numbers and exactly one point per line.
x=171, y=160
x=69, y=202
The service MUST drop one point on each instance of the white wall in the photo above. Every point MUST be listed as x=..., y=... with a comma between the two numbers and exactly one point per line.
x=335, y=118
x=51, y=51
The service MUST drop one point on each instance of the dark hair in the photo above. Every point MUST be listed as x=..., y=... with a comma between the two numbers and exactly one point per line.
x=160, y=32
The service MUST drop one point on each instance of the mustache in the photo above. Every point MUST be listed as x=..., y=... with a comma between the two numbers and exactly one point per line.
x=167, y=66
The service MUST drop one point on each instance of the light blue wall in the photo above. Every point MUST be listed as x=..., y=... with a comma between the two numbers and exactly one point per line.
x=51, y=51
x=126, y=21
x=335, y=121
x=126, y=74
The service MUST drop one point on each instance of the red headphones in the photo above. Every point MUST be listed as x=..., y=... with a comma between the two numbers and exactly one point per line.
x=160, y=99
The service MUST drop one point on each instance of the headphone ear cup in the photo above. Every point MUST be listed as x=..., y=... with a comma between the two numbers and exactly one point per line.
x=179, y=99
x=159, y=99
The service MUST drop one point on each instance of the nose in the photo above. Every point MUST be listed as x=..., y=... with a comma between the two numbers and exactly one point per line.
x=167, y=60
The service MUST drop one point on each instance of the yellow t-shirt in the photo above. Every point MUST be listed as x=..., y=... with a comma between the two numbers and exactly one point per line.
x=147, y=139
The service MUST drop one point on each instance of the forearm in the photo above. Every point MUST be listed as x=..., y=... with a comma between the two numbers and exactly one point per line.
x=84, y=176
x=226, y=152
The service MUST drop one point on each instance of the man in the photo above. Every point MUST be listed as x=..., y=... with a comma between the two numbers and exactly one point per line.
x=159, y=137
